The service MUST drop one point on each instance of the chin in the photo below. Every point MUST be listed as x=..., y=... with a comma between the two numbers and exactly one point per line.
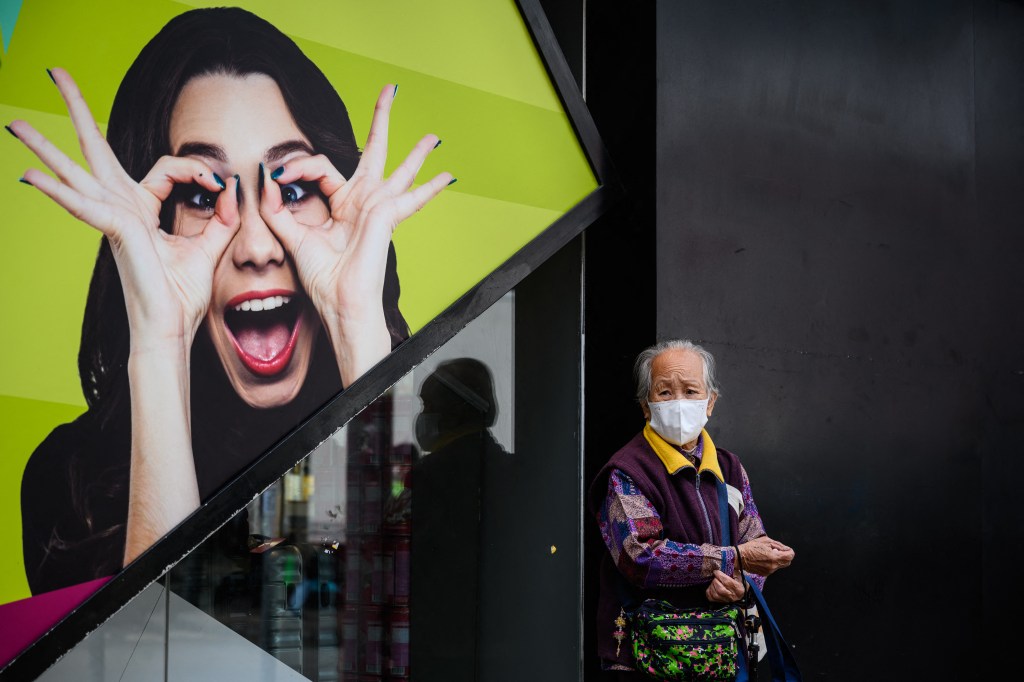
x=265, y=397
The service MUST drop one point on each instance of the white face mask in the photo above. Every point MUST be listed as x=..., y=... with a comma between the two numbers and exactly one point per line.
x=679, y=421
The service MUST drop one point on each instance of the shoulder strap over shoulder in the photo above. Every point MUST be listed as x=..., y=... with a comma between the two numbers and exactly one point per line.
x=723, y=514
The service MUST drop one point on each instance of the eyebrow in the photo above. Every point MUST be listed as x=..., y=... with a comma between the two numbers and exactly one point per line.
x=210, y=151
x=285, y=148
x=216, y=152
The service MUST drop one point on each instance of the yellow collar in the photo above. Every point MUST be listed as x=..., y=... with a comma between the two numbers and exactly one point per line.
x=674, y=460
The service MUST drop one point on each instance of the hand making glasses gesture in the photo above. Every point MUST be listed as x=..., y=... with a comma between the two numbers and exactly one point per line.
x=168, y=279
x=341, y=262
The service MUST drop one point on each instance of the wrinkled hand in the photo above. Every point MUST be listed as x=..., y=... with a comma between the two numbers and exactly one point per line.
x=167, y=279
x=725, y=588
x=764, y=556
x=341, y=263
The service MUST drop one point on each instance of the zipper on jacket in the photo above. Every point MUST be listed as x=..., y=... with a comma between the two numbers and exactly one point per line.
x=703, y=508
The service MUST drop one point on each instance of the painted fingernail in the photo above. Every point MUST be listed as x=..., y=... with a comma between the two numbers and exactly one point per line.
x=263, y=174
x=437, y=144
x=23, y=180
x=278, y=172
x=11, y=131
x=395, y=93
x=453, y=181
x=217, y=179
x=50, y=74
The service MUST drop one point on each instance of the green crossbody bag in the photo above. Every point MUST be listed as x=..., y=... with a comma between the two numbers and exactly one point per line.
x=670, y=643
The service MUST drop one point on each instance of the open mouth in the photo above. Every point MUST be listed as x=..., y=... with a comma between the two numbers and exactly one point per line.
x=263, y=327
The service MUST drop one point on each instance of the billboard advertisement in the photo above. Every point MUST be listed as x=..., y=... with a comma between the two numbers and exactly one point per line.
x=218, y=218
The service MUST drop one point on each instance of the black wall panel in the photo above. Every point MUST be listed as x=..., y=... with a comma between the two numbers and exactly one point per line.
x=839, y=220
x=619, y=282
x=999, y=173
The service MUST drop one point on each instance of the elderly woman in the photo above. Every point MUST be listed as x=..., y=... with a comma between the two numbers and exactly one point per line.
x=656, y=502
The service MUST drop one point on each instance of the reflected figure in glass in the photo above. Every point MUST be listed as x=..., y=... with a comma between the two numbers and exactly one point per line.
x=459, y=454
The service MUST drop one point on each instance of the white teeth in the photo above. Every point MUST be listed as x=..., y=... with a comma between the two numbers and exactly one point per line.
x=258, y=304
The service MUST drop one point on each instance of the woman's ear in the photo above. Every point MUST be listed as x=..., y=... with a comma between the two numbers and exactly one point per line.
x=711, y=403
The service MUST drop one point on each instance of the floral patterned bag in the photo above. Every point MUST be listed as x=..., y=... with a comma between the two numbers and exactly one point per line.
x=670, y=643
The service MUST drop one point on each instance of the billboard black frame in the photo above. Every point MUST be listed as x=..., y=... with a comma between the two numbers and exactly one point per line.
x=155, y=562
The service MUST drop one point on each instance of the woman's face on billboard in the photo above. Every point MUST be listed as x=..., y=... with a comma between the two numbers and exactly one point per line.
x=261, y=323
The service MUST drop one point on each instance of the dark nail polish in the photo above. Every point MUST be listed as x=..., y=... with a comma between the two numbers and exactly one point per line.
x=50, y=74
x=453, y=181
x=278, y=172
x=395, y=93
x=259, y=184
x=11, y=131
x=438, y=144
x=23, y=180
x=217, y=179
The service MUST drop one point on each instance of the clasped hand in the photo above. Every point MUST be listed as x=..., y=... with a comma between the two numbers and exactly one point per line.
x=762, y=556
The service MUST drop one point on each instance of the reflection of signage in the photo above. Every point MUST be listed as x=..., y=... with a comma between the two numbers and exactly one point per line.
x=298, y=484
x=474, y=80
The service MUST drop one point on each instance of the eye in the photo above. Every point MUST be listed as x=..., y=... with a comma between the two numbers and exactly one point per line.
x=295, y=192
x=196, y=196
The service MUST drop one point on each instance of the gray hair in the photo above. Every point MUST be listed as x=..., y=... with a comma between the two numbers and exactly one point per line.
x=644, y=361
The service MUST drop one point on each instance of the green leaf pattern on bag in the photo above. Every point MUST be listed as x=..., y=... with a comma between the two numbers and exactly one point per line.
x=685, y=644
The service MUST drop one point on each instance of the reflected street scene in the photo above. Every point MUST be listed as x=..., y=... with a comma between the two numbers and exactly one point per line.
x=364, y=561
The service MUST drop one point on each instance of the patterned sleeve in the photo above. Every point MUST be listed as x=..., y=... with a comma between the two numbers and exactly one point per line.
x=750, y=524
x=632, y=530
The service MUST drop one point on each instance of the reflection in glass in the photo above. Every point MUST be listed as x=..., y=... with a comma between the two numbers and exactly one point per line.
x=362, y=562
x=453, y=432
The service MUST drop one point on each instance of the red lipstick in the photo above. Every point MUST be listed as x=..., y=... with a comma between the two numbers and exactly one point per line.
x=264, y=328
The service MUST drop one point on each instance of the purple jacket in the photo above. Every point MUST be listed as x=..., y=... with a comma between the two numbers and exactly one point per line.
x=687, y=502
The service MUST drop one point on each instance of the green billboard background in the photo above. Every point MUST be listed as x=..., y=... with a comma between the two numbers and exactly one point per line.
x=467, y=71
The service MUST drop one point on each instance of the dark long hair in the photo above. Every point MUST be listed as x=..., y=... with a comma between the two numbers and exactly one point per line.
x=226, y=436
x=82, y=537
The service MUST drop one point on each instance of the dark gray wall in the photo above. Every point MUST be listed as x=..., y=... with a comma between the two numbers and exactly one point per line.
x=529, y=571
x=619, y=293
x=839, y=220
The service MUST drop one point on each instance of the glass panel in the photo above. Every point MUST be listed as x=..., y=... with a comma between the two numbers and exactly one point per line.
x=329, y=574
x=128, y=646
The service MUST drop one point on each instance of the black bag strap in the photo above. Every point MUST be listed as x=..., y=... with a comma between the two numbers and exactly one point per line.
x=723, y=514
x=780, y=656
